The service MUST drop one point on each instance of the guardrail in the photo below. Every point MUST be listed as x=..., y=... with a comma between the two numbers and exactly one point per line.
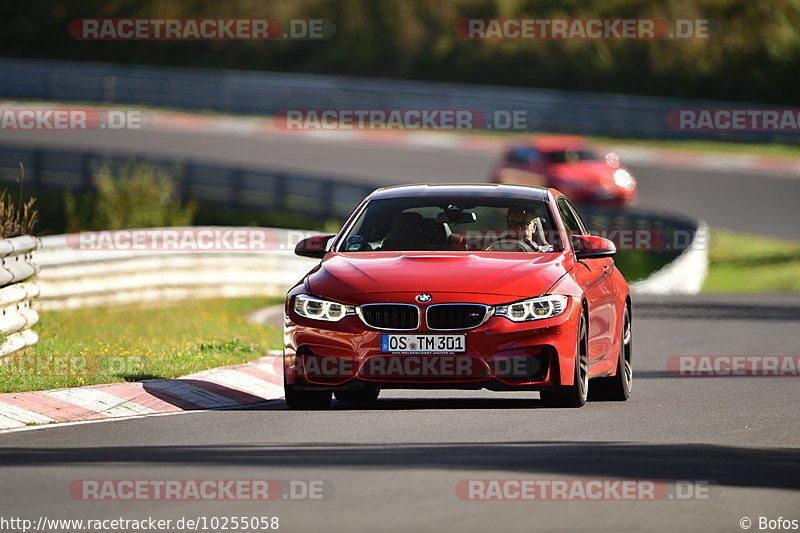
x=676, y=247
x=17, y=293
x=316, y=196
x=683, y=275
x=267, y=93
x=71, y=277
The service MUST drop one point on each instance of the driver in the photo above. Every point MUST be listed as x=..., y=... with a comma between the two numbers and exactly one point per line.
x=522, y=225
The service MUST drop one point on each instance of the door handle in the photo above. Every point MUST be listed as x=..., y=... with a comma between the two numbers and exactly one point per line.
x=606, y=269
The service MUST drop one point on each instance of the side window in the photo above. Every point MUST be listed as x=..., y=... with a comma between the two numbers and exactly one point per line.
x=579, y=218
x=571, y=220
x=522, y=155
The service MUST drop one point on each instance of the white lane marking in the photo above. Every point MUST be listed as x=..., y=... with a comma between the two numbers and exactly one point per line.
x=247, y=383
x=333, y=135
x=99, y=401
x=98, y=421
x=23, y=415
x=233, y=126
x=190, y=393
x=436, y=140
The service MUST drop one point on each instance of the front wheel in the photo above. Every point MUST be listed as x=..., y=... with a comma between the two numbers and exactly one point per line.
x=306, y=399
x=575, y=394
x=617, y=388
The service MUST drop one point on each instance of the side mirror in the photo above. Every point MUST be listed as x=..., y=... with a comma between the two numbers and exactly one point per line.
x=592, y=247
x=316, y=246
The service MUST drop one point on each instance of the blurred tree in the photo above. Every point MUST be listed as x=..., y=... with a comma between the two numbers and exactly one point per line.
x=752, y=55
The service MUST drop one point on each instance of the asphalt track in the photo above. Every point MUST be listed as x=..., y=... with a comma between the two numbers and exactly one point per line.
x=395, y=466
x=760, y=203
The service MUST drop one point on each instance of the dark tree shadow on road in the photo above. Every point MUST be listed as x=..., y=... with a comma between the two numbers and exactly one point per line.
x=709, y=310
x=724, y=465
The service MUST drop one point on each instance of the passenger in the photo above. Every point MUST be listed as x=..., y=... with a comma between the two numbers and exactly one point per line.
x=405, y=233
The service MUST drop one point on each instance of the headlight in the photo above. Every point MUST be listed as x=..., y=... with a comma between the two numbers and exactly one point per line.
x=533, y=309
x=624, y=179
x=319, y=309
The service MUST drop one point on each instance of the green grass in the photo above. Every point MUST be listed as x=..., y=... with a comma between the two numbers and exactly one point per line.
x=758, y=149
x=740, y=262
x=636, y=265
x=130, y=343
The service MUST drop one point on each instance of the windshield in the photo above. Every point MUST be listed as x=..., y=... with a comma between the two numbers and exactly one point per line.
x=452, y=225
x=571, y=156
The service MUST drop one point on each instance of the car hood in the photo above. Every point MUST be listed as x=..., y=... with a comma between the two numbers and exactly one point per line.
x=362, y=277
x=594, y=172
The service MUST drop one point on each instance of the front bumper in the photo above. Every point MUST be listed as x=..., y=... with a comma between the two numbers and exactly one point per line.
x=500, y=355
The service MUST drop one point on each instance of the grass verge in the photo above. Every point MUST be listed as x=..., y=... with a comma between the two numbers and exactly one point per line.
x=757, y=149
x=637, y=265
x=740, y=262
x=130, y=343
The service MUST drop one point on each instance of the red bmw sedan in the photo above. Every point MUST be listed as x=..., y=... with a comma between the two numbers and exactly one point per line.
x=570, y=165
x=459, y=286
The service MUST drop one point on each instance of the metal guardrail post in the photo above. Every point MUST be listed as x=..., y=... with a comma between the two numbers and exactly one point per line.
x=36, y=168
x=86, y=171
x=236, y=188
x=279, y=192
x=185, y=185
x=326, y=199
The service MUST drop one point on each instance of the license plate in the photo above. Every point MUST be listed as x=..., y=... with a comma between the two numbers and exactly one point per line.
x=423, y=344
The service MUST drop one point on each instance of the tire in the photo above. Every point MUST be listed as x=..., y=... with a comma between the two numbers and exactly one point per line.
x=575, y=394
x=617, y=388
x=306, y=399
x=365, y=395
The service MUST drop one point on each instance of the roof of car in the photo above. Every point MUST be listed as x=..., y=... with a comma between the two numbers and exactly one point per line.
x=551, y=143
x=493, y=190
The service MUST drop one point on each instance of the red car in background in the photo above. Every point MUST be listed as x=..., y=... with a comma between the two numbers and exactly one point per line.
x=459, y=286
x=570, y=165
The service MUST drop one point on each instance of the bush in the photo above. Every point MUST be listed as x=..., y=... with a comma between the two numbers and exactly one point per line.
x=136, y=195
x=18, y=218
